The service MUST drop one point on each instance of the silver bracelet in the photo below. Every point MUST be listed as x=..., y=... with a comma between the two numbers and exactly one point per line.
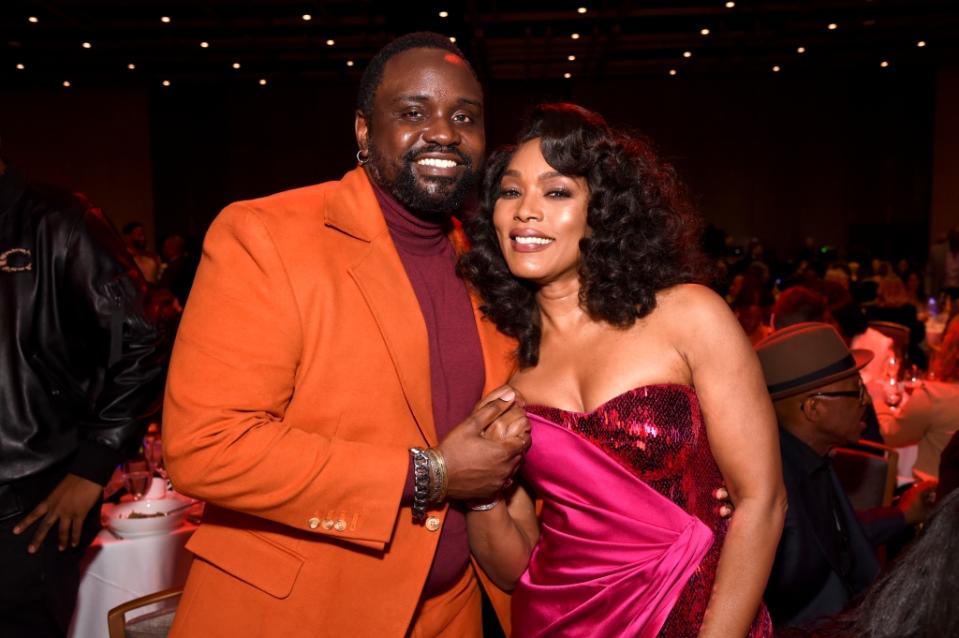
x=484, y=507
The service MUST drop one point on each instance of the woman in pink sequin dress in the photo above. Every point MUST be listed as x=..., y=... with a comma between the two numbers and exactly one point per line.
x=642, y=392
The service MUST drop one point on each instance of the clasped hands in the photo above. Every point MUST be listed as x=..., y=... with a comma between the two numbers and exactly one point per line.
x=484, y=451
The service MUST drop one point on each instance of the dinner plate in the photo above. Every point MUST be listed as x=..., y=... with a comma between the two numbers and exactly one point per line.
x=156, y=522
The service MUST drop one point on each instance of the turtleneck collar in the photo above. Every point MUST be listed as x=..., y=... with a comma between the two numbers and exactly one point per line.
x=410, y=233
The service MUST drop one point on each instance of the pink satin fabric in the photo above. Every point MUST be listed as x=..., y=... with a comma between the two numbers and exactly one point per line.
x=614, y=554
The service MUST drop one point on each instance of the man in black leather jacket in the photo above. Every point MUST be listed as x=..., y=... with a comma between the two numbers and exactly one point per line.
x=81, y=373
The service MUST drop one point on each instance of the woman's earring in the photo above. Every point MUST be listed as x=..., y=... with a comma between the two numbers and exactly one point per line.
x=362, y=156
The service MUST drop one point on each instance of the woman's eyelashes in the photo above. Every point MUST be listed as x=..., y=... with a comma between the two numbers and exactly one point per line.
x=508, y=192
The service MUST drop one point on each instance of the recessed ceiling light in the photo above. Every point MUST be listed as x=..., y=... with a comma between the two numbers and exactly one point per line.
x=571, y=58
x=165, y=19
x=307, y=17
x=921, y=43
x=832, y=26
x=66, y=84
x=262, y=81
x=166, y=82
x=349, y=63
x=205, y=45
x=730, y=5
x=33, y=19
x=567, y=75
x=581, y=10
x=704, y=32
x=444, y=14
x=672, y=71
x=776, y=69
x=687, y=54
x=20, y=67
x=132, y=66
x=330, y=43
x=87, y=45
x=884, y=64
x=575, y=36
x=452, y=39
x=801, y=50
x=236, y=65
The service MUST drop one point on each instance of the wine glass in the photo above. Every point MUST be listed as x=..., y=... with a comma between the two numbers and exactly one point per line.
x=892, y=392
x=137, y=478
x=912, y=379
x=153, y=453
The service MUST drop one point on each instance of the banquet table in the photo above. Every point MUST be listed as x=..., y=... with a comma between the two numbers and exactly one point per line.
x=116, y=570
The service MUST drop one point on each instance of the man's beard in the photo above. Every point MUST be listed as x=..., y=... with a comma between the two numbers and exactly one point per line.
x=448, y=193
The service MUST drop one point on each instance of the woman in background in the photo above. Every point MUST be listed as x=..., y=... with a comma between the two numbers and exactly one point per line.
x=643, y=394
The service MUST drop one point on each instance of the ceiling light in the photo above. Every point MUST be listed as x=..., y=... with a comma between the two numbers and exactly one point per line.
x=330, y=43
x=236, y=65
x=307, y=17
x=884, y=64
x=567, y=75
x=672, y=71
x=33, y=19
x=801, y=50
x=444, y=14
x=66, y=84
x=687, y=54
x=921, y=43
x=452, y=39
x=776, y=68
x=20, y=67
x=571, y=58
x=704, y=32
x=832, y=26
x=349, y=63
x=166, y=82
x=87, y=45
x=575, y=36
x=205, y=45
x=581, y=10
x=131, y=66
x=730, y=5
x=165, y=19
x=262, y=81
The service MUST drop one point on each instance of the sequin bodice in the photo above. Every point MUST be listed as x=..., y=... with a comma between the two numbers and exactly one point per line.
x=657, y=433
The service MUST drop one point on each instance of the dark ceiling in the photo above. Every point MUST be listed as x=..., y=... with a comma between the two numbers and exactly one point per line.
x=506, y=40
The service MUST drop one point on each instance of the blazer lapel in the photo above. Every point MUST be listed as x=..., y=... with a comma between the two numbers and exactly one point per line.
x=382, y=280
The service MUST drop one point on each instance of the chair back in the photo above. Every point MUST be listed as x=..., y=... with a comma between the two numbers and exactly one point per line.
x=867, y=473
x=899, y=334
x=154, y=624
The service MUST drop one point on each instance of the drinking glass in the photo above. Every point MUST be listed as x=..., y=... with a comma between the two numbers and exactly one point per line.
x=911, y=380
x=892, y=392
x=137, y=478
x=153, y=453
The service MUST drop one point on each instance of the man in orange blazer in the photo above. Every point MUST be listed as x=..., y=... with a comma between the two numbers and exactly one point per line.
x=326, y=335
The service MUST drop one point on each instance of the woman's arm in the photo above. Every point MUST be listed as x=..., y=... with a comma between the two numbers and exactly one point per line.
x=502, y=538
x=743, y=436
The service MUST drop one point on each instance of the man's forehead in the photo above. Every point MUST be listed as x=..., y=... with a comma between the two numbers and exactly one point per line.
x=426, y=71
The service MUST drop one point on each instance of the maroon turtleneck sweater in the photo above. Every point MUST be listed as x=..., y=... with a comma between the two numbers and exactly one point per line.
x=456, y=358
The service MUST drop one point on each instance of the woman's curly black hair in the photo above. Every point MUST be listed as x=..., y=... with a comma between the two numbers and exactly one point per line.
x=644, y=236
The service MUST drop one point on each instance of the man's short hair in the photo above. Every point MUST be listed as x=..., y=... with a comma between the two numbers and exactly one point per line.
x=798, y=305
x=373, y=74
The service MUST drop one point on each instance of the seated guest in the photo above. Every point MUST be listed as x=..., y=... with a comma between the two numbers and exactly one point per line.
x=850, y=320
x=826, y=553
x=931, y=415
x=893, y=305
x=798, y=305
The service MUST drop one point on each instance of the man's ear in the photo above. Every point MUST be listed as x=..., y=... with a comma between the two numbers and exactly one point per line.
x=814, y=409
x=362, y=128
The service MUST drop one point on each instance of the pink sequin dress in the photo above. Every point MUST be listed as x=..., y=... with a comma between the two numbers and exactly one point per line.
x=630, y=534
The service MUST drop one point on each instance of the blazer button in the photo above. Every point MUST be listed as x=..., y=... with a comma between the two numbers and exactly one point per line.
x=314, y=523
x=328, y=523
x=339, y=525
x=432, y=523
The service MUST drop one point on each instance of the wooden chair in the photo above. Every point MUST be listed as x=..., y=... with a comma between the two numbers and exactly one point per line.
x=152, y=625
x=867, y=473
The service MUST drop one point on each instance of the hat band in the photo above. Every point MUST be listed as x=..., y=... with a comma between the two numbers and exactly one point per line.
x=846, y=363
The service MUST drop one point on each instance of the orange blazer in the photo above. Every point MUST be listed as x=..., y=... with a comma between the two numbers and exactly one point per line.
x=299, y=381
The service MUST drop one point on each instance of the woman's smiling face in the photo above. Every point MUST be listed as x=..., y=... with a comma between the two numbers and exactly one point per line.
x=540, y=217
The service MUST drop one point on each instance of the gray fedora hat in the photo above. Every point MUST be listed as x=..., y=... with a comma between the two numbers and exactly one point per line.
x=806, y=356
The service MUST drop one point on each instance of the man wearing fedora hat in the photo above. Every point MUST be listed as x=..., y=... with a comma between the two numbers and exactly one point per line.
x=826, y=554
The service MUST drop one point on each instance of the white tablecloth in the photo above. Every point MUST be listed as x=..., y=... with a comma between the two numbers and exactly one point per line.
x=117, y=570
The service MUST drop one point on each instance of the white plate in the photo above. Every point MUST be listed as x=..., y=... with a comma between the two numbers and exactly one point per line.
x=119, y=522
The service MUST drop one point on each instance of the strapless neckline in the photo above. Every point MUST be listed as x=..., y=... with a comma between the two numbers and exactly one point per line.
x=619, y=397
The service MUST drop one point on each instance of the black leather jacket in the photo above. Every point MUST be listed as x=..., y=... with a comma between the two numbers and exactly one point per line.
x=81, y=365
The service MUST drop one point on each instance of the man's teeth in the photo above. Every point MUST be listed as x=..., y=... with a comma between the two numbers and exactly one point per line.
x=438, y=163
x=541, y=241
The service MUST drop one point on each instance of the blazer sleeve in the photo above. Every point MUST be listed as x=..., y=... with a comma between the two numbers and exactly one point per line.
x=232, y=376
